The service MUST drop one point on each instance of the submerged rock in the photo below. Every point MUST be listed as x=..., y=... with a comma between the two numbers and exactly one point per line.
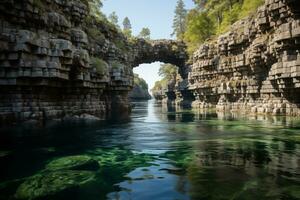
x=83, y=117
x=79, y=162
x=54, y=185
x=88, y=117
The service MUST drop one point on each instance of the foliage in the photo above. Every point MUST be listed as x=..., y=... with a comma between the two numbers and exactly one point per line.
x=145, y=34
x=113, y=18
x=159, y=85
x=179, y=22
x=249, y=6
x=229, y=17
x=127, y=27
x=200, y=28
x=140, y=82
x=213, y=17
x=100, y=65
x=116, y=65
x=39, y=4
x=94, y=6
x=96, y=34
x=168, y=72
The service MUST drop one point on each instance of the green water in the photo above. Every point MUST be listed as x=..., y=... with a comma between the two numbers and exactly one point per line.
x=156, y=153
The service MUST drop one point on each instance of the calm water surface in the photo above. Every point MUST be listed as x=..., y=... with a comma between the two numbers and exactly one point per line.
x=156, y=153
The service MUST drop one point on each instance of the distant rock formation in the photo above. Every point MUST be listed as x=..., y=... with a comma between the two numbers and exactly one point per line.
x=140, y=89
x=139, y=93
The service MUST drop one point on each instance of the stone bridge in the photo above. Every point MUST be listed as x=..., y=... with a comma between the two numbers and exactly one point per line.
x=167, y=51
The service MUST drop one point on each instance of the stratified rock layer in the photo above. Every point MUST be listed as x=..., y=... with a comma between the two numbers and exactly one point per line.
x=57, y=60
x=255, y=67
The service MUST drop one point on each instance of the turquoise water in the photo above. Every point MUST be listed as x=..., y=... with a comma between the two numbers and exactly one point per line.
x=156, y=153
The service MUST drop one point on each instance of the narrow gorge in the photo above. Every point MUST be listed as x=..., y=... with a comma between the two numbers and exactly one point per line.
x=59, y=61
x=77, y=121
x=254, y=68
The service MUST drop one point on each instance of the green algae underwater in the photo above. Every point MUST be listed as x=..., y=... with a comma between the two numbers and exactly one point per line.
x=155, y=153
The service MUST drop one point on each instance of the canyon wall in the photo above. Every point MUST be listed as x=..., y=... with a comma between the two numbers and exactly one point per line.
x=59, y=59
x=56, y=60
x=253, y=68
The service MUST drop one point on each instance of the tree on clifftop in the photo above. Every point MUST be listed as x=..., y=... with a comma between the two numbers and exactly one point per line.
x=145, y=34
x=168, y=71
x=127, y=27
x=95, y=6
x=179, y=22
x=113, y=18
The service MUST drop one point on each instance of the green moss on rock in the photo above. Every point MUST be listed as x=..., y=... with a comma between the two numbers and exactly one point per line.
x=80, y=162
x=54, y=185
x=100, y=65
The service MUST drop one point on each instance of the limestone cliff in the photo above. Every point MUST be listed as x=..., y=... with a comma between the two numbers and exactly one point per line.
x=139, y=93
x=139, y=90
x=255, y=67
x=58, y=60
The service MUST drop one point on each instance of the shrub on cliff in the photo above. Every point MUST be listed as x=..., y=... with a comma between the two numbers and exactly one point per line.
x=140, y=82
x=115, y=65
x=100, y=65
x=168, y=73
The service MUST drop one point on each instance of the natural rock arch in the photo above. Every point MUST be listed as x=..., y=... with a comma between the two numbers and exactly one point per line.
x=166, y=51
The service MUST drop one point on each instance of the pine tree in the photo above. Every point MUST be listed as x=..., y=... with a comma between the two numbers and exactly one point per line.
x=127, y=27
x=145, y=34
x=113, y=18
x=179, y=22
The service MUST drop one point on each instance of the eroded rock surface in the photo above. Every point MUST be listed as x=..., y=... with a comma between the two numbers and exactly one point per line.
x=255, y=67
x=57, y=60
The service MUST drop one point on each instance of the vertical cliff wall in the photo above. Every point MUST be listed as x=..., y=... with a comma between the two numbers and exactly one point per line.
x=57, y=60
x=255, y=67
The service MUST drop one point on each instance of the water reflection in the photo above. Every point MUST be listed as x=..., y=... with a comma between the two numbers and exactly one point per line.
x=160, y=153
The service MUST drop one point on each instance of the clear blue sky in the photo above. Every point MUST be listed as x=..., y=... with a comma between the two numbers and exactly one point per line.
x=154, y=14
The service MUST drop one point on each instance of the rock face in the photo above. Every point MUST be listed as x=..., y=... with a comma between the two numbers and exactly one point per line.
x=167, y=51
x=58, y=60
x=255, y=67
x=45, y=54
x=138, y=93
